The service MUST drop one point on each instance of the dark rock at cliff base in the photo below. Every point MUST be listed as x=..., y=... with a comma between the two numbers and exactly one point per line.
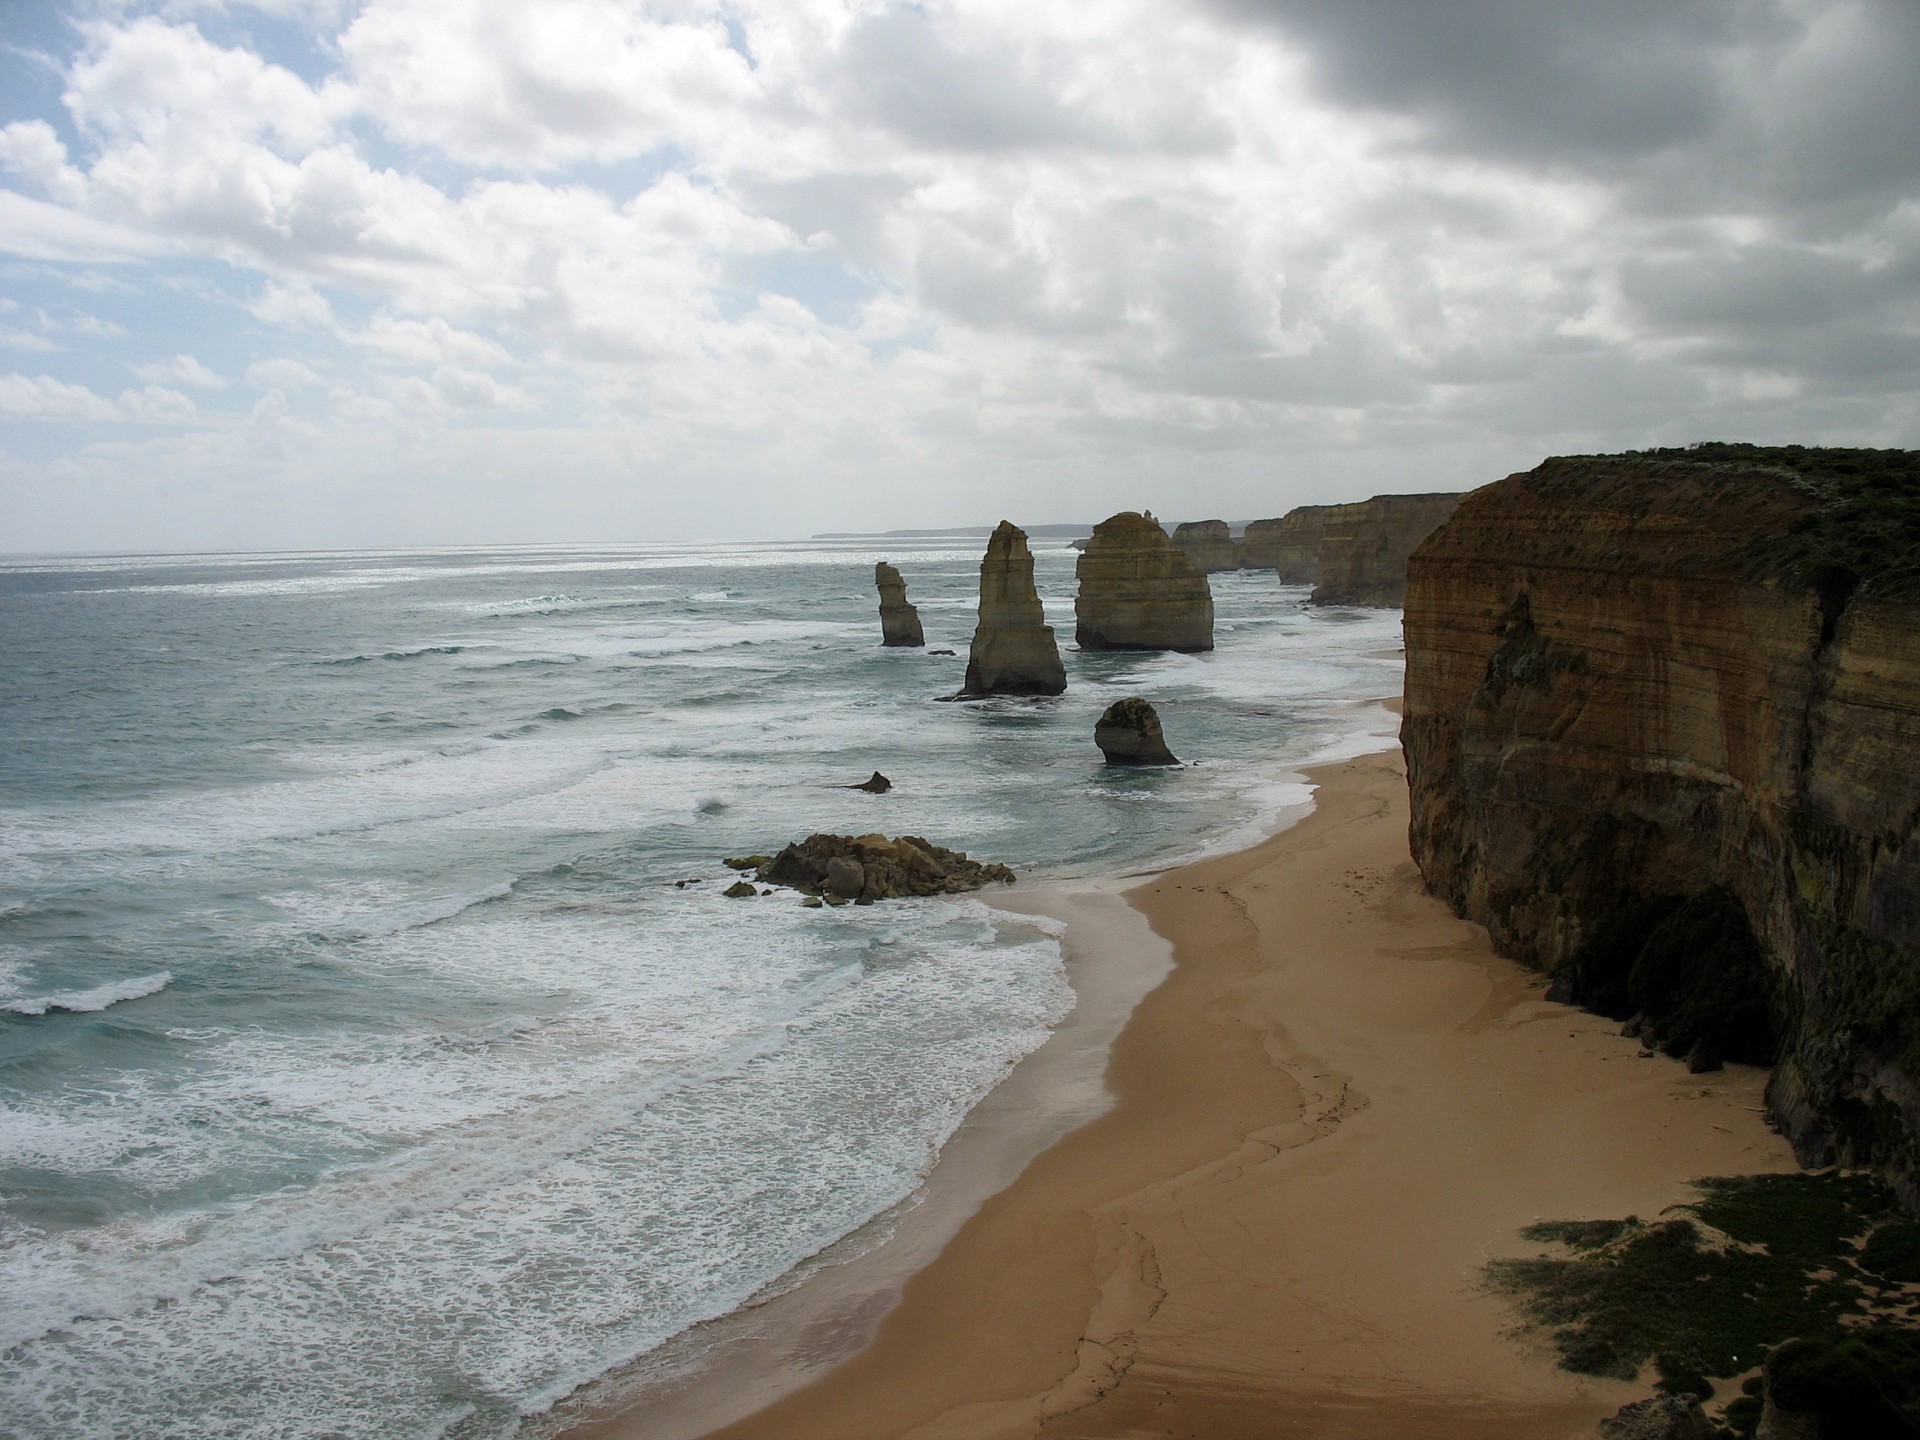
x=874, y=784
x=1138, y=592
x=939, y=652
x=1661, y=716
x=740, y=890
x=899, y=621
x=1664, y=1417
x=1013, y=652
x=872, y=867
x=1129, y=734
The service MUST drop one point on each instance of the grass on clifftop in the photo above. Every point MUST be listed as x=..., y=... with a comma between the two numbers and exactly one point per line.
x=1717, y=1287
x=1866, y=533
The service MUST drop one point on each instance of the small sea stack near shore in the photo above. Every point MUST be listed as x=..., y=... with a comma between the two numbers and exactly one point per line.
x=1013, y=651
x=899, y=621
x=866, y=868
x=1138, y=591
x=1129, y=734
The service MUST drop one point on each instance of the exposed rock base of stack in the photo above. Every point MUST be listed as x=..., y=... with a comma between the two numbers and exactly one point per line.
x=1129, y=734
x=1209, y=544
x=1666, y=674
x=899, y=621
x=1013, y=652
x=872, y=867
x=1364, y=547
x=1137, y=592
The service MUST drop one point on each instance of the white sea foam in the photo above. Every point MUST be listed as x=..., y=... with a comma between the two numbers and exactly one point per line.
x=94, y=998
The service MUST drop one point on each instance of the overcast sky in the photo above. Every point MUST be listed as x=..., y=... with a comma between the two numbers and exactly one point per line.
x=310, y=273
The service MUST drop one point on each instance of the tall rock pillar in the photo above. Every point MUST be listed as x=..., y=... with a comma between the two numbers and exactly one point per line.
x=1013, y=651
x=899, y=621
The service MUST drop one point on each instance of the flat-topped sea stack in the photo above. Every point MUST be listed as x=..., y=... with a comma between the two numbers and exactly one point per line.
x=1661, y=718
x=1296, y=543
x=1259, y=545
x=899, y=621
x=1209, y=544
x=1364, y=547
x=1013, y=652
x=1139, y=592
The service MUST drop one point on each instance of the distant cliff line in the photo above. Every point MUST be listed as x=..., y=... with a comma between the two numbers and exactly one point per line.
x=1662, y=721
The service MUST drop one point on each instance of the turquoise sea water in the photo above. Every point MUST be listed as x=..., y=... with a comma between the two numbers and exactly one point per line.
x=363, y=1069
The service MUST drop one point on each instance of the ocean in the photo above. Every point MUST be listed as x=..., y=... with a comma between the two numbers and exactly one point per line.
x=378, y=1055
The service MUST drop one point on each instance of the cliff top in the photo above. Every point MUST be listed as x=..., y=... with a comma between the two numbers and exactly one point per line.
x=1861, y=529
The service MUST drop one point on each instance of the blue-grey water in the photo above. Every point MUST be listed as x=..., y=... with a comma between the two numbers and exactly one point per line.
x=364, y=1069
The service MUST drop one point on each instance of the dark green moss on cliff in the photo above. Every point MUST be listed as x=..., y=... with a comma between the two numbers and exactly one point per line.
x=1864, y=528
x=1765, y=1265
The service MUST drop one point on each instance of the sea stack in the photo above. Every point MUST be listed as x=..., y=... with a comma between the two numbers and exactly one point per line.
x=1296, y=543
x=1208, y=543
x=899, y=621
x=1138, y=592
x=1014, y=652
x=1364, y=548
x=1129, y=734
x=1259, y=547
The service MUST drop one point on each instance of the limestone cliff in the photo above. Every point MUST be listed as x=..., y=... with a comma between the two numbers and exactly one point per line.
x=1138, y=592
x=1295, y=542
x=1364, y=547
x=1259, y=547
x=899, y=621
x=1014, y=652
x=1208, y=543
x=1687, y=673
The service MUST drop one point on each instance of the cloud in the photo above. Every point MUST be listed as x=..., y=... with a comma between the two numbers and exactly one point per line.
x=282, y=373
x=36, y=230
x=180, y=370
x=42, y=397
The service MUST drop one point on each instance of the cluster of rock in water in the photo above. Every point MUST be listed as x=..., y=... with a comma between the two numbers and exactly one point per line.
x=838, y=869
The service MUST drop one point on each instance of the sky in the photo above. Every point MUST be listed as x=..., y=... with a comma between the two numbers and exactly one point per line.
x=339, y=273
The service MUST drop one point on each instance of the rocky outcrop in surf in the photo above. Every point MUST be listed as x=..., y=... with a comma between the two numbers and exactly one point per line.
x=865, y=868
x=899, y=621
x=1364, y=547
x=1138, y=592
x=1660, y=719
x=1208, y=544
x=1013, y=652
x=1128, y=733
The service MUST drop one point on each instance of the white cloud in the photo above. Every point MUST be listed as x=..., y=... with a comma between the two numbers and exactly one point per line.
x=42, y=397
x=36, y=230
x=31, y=150
x=12, y=339
x=180, y=370
x=281, y=373
x=296, y=305
x=426, y=342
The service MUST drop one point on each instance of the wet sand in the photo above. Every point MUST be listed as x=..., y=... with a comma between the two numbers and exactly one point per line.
x=1333, y=1111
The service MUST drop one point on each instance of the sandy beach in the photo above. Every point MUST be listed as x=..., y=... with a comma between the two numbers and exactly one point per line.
x=1333, y=1111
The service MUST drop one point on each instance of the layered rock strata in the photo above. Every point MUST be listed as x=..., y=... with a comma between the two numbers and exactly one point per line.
x=1296, y=543
x=1364, y=547
x=1129, y=733
x=1679, y=672
x=899, y=621
x=1138, y=592
x=1259, y=546
x=872, y=867
x=1013, y=652
x=1208, y=544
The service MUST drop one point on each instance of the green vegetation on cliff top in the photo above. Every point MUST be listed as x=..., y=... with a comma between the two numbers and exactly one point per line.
x=1865, y=533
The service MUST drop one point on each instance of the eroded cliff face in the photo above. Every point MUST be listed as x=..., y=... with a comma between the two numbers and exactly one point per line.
x=899, y=620
x=1616, y=689
x=1209, y=544
x=1364, y=547
x=1295, y=545
x=1013, y=652
x=1138, y=592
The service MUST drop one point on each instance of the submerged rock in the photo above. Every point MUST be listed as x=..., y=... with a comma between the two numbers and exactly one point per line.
x=1139, y=592
x=1014, y=652
x=899, y=621
x=874, y=784
x=1129, y=734
x=872, y=867
x=740, y=890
